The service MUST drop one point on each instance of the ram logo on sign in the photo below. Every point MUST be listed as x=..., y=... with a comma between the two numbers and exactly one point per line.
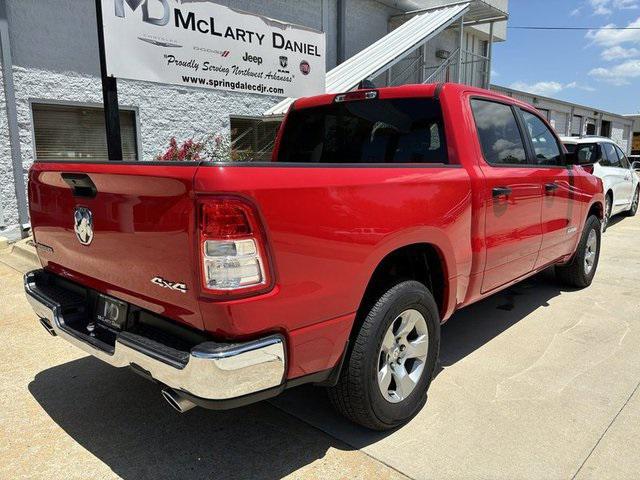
x=206, y=45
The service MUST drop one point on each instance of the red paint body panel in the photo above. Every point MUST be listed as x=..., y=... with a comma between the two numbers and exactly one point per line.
x=327, y=228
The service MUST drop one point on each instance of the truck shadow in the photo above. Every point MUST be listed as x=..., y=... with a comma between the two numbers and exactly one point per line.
x=122, y=420
x=476, y=325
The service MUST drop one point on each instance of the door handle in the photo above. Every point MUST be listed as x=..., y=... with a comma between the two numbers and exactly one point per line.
x=501, y=192
x=550, y=187
x=81, y=184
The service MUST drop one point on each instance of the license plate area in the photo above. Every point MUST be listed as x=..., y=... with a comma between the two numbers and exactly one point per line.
x=111, y=313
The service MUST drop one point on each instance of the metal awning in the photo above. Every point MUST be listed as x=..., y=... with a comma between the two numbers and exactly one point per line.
x=479, y=11
x=386, y=52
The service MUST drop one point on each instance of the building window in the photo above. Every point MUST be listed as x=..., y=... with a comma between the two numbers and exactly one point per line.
x=254, y=137
x=73, y=132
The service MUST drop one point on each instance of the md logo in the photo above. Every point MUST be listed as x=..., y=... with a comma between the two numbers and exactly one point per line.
x=134, y=4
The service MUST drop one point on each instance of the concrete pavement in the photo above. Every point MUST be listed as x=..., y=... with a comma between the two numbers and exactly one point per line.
x=536, y=382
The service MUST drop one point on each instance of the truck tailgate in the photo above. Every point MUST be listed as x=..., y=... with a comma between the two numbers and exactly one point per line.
x=143, y=226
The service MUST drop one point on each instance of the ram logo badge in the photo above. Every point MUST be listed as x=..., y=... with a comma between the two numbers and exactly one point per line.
x=177, y=286
x=83, y=225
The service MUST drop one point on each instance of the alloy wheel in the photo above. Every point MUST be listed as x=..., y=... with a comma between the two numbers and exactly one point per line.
x=402, y=355
x=591, y=252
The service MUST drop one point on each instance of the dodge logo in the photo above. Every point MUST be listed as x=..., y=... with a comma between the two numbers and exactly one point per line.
x=83, y=225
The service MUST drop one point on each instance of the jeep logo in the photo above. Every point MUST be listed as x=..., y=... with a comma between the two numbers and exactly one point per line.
x=134, y=4
x=252, y=58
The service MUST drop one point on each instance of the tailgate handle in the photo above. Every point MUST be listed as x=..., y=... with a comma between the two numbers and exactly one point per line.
x=81, y=184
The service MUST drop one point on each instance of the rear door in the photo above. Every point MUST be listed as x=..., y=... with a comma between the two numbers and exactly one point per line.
x=560, y=214
x=125, y=230
x=513, y=193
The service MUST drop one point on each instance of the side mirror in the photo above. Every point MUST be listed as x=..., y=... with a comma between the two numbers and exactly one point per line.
x=571, y=159
x=635, y=165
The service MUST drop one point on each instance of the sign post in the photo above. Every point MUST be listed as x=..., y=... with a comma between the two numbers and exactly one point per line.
x=109, y=96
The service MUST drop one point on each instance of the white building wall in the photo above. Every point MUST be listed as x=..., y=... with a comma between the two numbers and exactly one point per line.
x=619, y=135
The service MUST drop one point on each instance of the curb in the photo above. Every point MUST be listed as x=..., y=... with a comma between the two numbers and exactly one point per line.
x=26, y=250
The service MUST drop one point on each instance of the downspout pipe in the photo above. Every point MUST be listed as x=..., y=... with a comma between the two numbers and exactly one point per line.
x=341, y=18
x=12, y=120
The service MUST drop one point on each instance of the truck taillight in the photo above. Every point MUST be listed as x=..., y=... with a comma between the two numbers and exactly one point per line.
x=233, y=247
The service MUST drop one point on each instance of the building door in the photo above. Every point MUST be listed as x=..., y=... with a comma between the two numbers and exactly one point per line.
x=558, y=121
x=576, y=126
x=513, y=195
x=605, y=129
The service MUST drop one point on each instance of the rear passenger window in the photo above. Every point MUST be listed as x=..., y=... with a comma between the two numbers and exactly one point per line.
x=545, y=145
x=498, y=133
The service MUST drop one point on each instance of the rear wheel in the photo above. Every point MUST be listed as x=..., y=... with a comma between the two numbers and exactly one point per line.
x=634, y=203
x=582, y=268
x=385, y=378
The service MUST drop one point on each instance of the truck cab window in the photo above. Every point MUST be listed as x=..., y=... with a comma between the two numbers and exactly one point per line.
x=498, y=133
x=366, y=131
x=545, y=146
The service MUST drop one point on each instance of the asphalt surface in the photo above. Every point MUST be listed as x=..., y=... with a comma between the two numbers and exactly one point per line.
x=536, y=382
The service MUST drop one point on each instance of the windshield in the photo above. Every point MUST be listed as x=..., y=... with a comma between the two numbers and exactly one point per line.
x=366, y=131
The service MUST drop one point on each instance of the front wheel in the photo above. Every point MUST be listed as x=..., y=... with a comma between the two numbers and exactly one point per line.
x=634, y=204
x=582, y=268
x=385, y=378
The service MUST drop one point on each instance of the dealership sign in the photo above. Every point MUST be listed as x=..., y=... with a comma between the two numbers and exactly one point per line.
x=202, y=44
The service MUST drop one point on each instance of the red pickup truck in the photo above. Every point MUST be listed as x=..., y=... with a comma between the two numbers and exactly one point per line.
x=382, y=212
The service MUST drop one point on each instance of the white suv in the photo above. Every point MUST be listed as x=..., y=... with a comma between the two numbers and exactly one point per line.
x=609, y=162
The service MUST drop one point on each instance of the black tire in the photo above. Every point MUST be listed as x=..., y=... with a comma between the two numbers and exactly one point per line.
x=608, y=206
x=634, y=204
x=576, y=272
x=357, y=395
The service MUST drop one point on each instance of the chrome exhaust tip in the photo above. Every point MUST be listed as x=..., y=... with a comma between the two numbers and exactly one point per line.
x=177, y=401
x=47, y=326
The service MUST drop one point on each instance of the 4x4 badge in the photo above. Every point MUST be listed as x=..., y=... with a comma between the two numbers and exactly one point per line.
x=161, y=282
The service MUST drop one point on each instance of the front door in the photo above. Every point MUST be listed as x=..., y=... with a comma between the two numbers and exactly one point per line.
x=615, y=177
x=513, y=195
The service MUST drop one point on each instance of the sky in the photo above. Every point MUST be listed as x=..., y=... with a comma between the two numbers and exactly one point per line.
x=599, y=69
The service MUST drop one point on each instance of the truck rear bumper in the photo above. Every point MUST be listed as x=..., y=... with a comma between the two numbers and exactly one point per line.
x=209, y=372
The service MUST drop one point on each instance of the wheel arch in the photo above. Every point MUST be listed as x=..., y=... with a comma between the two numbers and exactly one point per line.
x=597, y=209
x=424, y=262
